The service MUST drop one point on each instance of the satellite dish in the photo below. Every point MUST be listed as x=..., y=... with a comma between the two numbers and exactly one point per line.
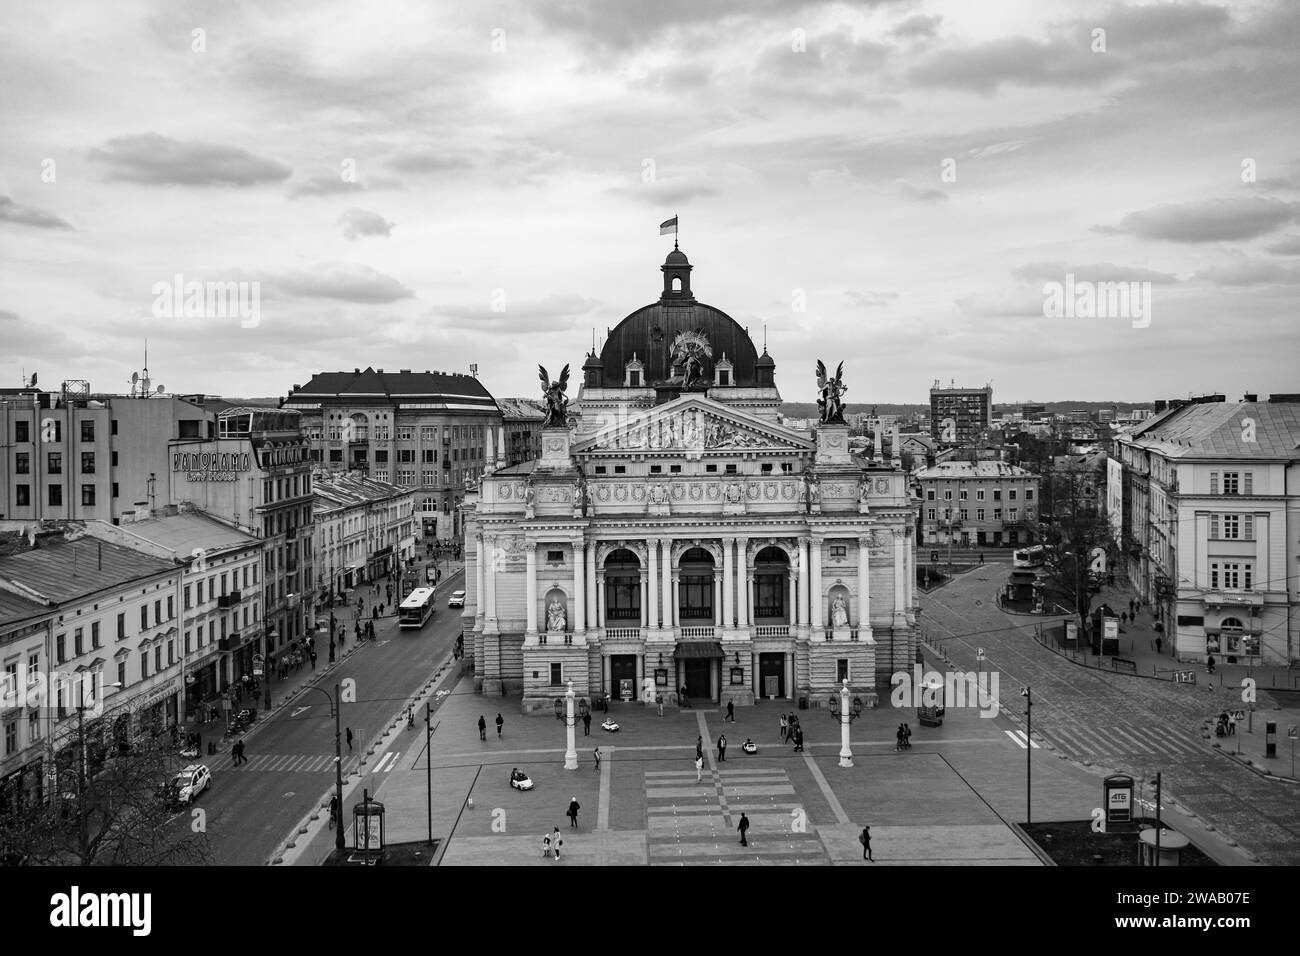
x=135, y=377
x=33, y=385
x=160, y=388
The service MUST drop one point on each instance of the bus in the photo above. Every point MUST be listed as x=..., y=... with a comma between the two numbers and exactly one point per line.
x=416, y=609
x=1034, y=557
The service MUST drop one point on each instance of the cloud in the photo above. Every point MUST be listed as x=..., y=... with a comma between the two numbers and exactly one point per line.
x=21, y=215
x=1039, y=272
x=554, y=313
x=1290, y=246
x=1250, y=272
x=158, y=160
x=1015, y=61
x=918, y=26
x=921, y=194
x=870, y=299
x=666, y=193
x=430, y=160
x=325, y=184
x=350, y=283
x=360, y=222
x=1209, y=220
x=7, y=316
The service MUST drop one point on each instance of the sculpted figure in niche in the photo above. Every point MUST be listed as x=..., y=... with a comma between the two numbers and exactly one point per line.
x=555, y=616
x=839, y=612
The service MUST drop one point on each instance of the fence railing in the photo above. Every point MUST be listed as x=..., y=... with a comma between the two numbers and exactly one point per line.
x=623, y=633
x=772, y=630
x=695, y=632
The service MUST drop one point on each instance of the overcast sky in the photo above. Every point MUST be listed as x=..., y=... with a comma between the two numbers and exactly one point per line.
x=425, y=185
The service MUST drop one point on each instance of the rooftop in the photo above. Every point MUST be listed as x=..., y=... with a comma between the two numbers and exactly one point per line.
x=521, y=408
x=974, y=469
x=349, y=491
x=1224, y=430
x=183, y=533
x=404, y=384
x=59, y=570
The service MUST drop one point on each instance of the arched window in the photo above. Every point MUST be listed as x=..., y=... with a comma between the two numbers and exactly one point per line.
x=677, y=283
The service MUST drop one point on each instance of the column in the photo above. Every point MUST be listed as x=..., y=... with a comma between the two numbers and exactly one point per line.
x=864, y=584
x=717, y=599
x=792, y=607
x=530, y=556
x=579, y=622
x=478, y=579
x=643, y=598
x=676, y=603
x=592, y=619
x=652, y=588
x=804, y=576
x=728, y=583
x=667, y=572
x=742, y=583
x=490, y=604
x=600, y=599
x=900, y=582
x=815, y=585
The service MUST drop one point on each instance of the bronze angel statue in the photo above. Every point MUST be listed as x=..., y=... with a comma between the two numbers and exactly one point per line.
x=556, y=403
x=689, y=350
x=830, y=403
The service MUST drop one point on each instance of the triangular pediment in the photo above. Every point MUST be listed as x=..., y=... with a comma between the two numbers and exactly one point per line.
x=690, y=425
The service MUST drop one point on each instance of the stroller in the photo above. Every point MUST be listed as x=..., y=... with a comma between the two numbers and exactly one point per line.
x=1221, y=726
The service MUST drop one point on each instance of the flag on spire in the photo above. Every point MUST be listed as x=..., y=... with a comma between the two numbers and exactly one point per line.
x=667, y=226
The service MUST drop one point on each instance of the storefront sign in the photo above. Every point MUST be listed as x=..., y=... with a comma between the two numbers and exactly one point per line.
x=211, y=466
x=157, y=694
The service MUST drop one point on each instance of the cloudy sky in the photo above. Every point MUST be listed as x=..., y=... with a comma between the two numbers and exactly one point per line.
x=427, y=184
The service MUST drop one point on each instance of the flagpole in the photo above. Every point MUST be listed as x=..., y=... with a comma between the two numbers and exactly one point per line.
x=676, y=222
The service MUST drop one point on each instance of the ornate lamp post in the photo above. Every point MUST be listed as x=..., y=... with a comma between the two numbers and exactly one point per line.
x=845, y=711
x=564, y=712
x=335, y=712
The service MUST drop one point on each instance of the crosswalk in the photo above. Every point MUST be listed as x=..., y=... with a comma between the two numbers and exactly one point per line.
x=1020, y=740
x=690, y=823
x=1118, y=738
x=286, y=763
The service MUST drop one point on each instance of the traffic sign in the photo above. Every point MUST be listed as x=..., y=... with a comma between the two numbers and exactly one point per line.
x=1291, y=732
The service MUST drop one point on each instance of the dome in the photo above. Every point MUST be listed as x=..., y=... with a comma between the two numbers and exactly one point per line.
x=676, y=257
x=765, y=361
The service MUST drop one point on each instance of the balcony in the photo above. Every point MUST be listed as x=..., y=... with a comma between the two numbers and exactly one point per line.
x=692, y=633
x=771, y=630
x=224, y=600
x=623, y=633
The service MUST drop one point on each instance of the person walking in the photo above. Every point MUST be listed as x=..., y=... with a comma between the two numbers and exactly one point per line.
x=798, y=740
x=681, y=695
x=1159, y=644
x=659, y=699
x=546, y=846
x=482, y=728
x=865, y=840
x=500, y=723
x=699, y=746
x=981, y=557
x=586, y=725
x=722, y=748
x=349, y=730
x=237, y=752
x=1232, y=723
x=731, y=711
x=785, y=728
x=596, y=753
x=744, y=829
x=699, y=768
x=556, y=843
x=334, y=810
x=573, y=812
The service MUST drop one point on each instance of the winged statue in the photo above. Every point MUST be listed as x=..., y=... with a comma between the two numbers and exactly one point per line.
x=831, y=404
x=689, y=350
x=556, y=402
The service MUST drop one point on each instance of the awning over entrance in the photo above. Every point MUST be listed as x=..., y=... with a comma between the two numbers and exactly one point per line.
x=689, y=649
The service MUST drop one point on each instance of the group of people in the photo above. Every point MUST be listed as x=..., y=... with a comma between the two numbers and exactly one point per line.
x=482, y=726
x=903, y=737
x=791, y=732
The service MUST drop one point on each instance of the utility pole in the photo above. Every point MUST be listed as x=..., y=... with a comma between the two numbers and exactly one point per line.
x=428, y=771
x=1029, y=751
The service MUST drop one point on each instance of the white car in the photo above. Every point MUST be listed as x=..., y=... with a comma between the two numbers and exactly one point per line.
x=189, y=783
x=520, y=780
x=610, y=724
x=457, y=599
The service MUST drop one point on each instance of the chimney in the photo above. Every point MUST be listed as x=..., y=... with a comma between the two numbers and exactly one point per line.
x=1250, y=397
x=356, y=371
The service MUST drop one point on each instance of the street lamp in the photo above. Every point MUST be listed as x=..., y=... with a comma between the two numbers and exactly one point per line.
x=564, y=712
x=336, y=713
x=1029, y=749
x=845, y=711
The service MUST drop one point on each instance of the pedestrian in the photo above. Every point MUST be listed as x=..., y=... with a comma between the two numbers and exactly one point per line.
x=744, y=829
x=1232, y=723
x=237, y=752
x=313, y=658
x=686, y=702
x=731, y=711
x=699, y=746
x=1123, y=617
x=907, y=736
x=898, y=738
x=865, y=840
x=573, y=812
x=722, y=748
x=1131, y=606
x=798, y=739
x=546, y=846
x=349, y=730
x=500, y=723
x=596, y=753
x=659, y=699
x=981, y=557
x=334, y=810
x=586, y=725
x=785, y=727
x=482, y=728
x=1209, y=663
x=556, y=842
x=699, y=768
x=1159, y=644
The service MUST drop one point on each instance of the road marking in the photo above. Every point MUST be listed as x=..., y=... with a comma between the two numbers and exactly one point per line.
x=298, y=710
x=602, y=811
x=827, y=793
x=387, y=762
x=1019, y=738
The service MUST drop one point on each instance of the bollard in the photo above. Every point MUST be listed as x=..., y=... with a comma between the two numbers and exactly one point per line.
x=1270, y=738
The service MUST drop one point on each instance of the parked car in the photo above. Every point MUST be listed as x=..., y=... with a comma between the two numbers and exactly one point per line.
x=610, y=724
x=520, y=780
x=457, y=599
x=182, y=789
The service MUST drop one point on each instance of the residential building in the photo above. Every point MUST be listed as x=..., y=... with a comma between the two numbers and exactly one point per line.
x=958, y=416
x=978, y=503
x=677, y=535
x=522, y=425
x=364, y=529
x=1211, y=499
x=432, y=432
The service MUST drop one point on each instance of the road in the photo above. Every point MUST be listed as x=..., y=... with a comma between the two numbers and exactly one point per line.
x=1141, y=726
x=250, y=809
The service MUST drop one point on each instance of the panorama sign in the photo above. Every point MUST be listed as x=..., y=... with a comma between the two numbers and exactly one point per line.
x=211, y=466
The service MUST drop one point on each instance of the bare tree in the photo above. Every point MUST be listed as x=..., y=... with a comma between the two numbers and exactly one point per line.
x=107, y=806
x=1073, y=531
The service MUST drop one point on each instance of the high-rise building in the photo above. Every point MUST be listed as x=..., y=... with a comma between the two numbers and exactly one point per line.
x=958, y=416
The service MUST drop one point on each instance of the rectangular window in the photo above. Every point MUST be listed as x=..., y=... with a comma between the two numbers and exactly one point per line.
x=157, y=612
x=87, y=494
x=171, y=607
x=997, y=494
x=979, y=494
x=842, y=669
x=961, y=495
x=157, y=658
x=711, y=469
x=22, y=463
x=1230, y=482
x=1013, y=514
x=962, y=514
x=839, y=551
x=430, y=456
x=121, y=665
x=556, y=675
x=144, y=617
x=979, y=514
x=600, y=469
x=1029, y=494
x=997, y=514
x=88, y=431
x=1011, y=495
x=144, y=664
x=1248, y=483
x=22, y=495
x=947, y=495
x=54, y=463
x=929, y=514
x=188, y=641
x=730, y=469
x=121, y=627
x=200, y=592
x=620, y=469
x=185, y=601
x=1231, y=526
x=115, y=490
x=94, y=634
x=171, y=653
x=21, y=431
x=60, y=648
x=56, y=495
x=656, y=469
x=87, y=462
x=675, y=469
x=787, y=467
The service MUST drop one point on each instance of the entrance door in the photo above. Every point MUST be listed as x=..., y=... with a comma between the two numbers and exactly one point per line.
x=622, y=667
x=698, y=672
x=771, y=674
